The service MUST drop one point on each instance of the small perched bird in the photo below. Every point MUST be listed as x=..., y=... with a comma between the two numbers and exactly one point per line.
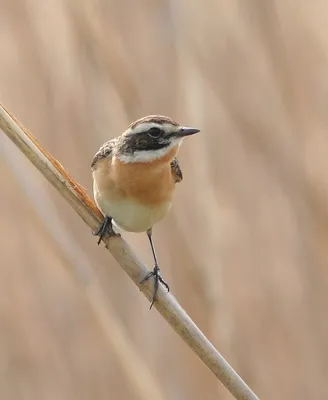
x=134, y=177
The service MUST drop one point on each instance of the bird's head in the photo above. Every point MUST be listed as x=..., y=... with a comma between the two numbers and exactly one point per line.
x=151, y=138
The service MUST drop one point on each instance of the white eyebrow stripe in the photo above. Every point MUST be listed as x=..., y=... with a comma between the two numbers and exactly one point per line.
x=145, y=126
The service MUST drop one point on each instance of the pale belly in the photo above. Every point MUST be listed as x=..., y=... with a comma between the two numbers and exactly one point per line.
x=132, y=216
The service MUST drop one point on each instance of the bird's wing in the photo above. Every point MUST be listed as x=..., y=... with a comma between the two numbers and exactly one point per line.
x=176, y=170
x=105, y=151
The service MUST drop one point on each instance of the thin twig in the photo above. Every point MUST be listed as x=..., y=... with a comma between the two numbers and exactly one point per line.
x=166, y=305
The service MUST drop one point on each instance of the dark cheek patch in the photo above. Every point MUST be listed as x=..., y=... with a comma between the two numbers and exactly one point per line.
x=141, y=142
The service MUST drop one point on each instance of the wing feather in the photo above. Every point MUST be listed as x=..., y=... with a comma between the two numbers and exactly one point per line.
x=105, y=150
x=176, y=170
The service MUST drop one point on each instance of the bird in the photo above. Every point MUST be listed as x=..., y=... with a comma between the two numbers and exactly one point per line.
x=134, y=177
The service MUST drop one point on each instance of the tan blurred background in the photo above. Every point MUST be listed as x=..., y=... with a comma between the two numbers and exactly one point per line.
x=245, y=248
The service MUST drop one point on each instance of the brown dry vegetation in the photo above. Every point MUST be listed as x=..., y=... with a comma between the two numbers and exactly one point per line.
x=245, y=253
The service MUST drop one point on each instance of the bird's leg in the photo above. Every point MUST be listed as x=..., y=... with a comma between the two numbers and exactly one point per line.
x=155, y=272
x=105, y=228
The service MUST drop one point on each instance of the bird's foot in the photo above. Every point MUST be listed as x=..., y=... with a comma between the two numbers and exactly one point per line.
x=157, y=279
x=105, y=228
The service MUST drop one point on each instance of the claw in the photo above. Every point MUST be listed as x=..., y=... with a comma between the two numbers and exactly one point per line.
x=157, y=278
x=105, y=228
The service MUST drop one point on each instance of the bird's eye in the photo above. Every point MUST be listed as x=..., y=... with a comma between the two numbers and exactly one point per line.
x=154, y=132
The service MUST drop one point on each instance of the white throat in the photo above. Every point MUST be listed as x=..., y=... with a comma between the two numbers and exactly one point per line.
x=147, y=155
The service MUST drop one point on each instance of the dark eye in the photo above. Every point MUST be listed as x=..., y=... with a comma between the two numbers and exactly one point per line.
x=154, y=132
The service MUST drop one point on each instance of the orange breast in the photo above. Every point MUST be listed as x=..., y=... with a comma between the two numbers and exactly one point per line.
x=149, y=183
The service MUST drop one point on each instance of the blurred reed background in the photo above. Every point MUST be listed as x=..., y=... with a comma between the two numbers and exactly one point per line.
x=245, y=247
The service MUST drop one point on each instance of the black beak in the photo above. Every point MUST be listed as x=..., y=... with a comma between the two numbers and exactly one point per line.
x=185, y=131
